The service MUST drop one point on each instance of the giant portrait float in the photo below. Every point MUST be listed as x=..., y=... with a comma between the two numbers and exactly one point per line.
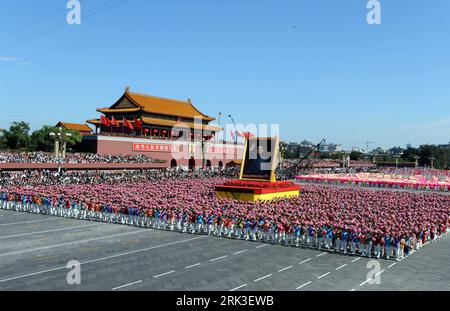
x=257, y=180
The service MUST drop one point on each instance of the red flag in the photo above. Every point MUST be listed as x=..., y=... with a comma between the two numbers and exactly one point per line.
x=128, y=124
x=114, y=122
x=138, y=123
x=245, y=134
x=105, y=121
x=232, y=135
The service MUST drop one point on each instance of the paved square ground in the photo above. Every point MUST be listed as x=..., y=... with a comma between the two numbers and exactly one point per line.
x=35, y=249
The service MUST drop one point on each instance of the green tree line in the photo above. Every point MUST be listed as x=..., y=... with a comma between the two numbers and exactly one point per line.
x=441, y=156
x=18, y=138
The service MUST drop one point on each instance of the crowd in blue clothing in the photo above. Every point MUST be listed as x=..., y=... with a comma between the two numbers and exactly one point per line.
x=344, y=241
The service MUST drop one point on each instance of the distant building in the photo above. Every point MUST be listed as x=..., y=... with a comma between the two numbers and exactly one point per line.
x=408, y=146
x=161, y=128
x=395, y=151
x=357, y=149
x=330, y=147
x=334, y=147
x=378, y=150
x=306, y=143
x=84, y=129
x=305, y=148
x=324, y=148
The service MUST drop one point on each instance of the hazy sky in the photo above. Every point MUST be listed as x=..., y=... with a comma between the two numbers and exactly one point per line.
x=316, y=67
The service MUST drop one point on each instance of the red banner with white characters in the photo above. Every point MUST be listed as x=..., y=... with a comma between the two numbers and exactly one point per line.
x=221, y=150
x=155, y=147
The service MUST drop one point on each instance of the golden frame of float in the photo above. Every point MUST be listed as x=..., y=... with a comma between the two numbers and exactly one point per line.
x=257, y=180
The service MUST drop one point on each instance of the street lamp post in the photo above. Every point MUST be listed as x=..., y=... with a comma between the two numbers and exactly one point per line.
x=344, y=159
x=235, y=136
x=235, y=131
x=217, y=136
x=396, y=160
x=432, y=162
x=60, y=138
x=56, y=144
x=416, y=158
x=202, y=146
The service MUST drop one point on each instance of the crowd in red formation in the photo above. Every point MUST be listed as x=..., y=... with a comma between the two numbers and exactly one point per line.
x=323, y=216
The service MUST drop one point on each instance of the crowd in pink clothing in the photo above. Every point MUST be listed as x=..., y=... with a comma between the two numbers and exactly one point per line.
x=414, y=179
x=325, y=215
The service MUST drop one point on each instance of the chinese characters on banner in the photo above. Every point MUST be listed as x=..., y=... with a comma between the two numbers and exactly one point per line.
x=174, y=148
x=155, y=147
x=221, y=150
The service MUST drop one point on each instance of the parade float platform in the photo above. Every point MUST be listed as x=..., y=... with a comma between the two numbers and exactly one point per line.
x=252, y=191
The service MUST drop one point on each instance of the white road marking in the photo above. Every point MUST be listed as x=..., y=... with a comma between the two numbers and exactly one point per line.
x=323, y=275
x=262, y=278
x=321, y=254
x=391, y=265
x=364, y=282
x=162, y=274
x=129, y=284
x=263, y=245
x=284, y=269
x=356, y=259
x=46, y=231
x=218, y=258
x=304, y=285
x=194, y=265
x=69, y=243
x=377, y=274
x=101, y=259
x=338, y=268
x=352, y=290
x=240, y=252
x=27, y=222
x=306, y=260
x=236, y=288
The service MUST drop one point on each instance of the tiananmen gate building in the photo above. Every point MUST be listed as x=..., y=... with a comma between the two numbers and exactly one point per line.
x=161, y=128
